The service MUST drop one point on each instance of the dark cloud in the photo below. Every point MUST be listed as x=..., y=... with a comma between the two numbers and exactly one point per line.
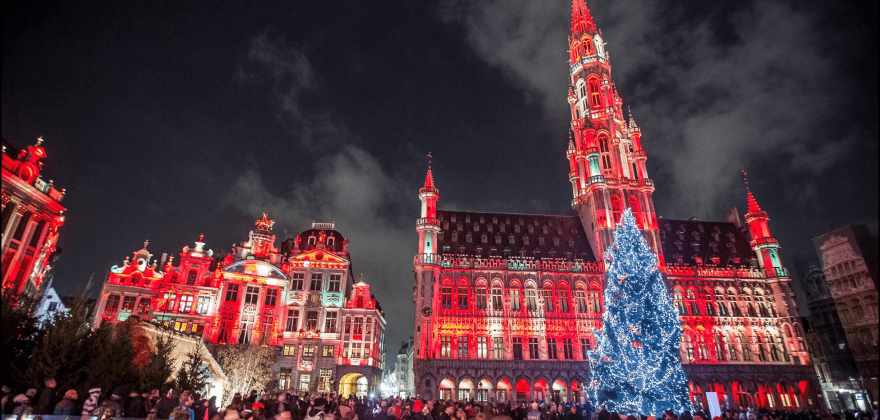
x=348, y=186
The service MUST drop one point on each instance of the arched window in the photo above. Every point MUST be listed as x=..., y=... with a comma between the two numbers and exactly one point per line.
x=515, y=298
x=616, y=208
x=747, y=299
x=595, y=299
x=692, y=303
x=462, y=293
x=603, y=143
x=702, y=348
x=731, y=347
x=497, y=305
x=688, y=347
x=531, y=298
x=745, y=347
x=549, y=307
x=679, y=304
x=588, y=47
x=721, y=303
x=761, y=304
x=574, y=52
x=706, y=296
x=734, y=305
x=761, y=342
x=636, y=210
x=595, y=95
x=564, y=305
x=720, y=348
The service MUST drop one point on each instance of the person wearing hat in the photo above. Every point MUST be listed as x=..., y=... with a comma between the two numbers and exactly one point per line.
x=23, y=404
x=67, y=406
x=92, y=402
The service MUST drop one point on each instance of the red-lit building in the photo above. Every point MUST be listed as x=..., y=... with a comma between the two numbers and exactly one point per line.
x=32, y=215
x=300, y=298
x=506, y=302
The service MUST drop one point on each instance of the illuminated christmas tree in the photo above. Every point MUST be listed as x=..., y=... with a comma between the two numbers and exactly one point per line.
x=636, y=366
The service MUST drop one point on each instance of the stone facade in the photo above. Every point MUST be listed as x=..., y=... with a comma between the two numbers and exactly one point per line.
x=506, y=303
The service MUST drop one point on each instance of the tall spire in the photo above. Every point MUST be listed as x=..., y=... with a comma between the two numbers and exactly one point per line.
x=581, y=20
x=754, y=208
x=429, y=178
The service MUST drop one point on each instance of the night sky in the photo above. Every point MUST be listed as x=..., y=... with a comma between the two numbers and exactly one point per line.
x=165, y=120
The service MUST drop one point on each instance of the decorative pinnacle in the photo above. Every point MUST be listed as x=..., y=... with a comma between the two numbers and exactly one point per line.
x=429, y=177
x=632, y=122
x=754, y=208
x=202, y=236
x=146, y=242
x=39, y=140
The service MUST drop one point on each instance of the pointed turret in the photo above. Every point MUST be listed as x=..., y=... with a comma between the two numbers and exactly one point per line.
x=766, y=247
x=428, y=226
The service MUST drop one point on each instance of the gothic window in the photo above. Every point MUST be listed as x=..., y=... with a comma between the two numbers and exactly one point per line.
x=616, y=208
x=720, y=348
x=480, y=292
x=551, y=349
x=636, y=210
x=531, y=299
x=595, y=299
x=563, y=301
x=548, y=300
x=463, y=347
x=533, y=348
x=517, y=348
x=702, y=348
x=687, y=347
x=446, y=346
x=498, y=347
x=496, y=299
x=580, y=298
x=567, y=349
x=595, y=99
x=603, y=143
x=482, y=347
x=446, y=297
x=706, y=296
x=745, y=347
x=692, y=303
x=587, y=44
x=761, y=304
x=462, y=297
x=679, y=304
x=514, y=299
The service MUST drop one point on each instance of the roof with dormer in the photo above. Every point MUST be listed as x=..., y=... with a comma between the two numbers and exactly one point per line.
x=688, y=242
x=537, y=235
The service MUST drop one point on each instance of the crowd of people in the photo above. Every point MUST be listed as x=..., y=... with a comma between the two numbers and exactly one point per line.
x=150, y=405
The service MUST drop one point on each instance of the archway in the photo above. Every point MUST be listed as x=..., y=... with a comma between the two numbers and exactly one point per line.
x=697, y=396
x=540, y=390
x=577, y=393
x=741, y=395
x=350, y=384
x=787, y=395
x=718, y=388
x=502, y=391
x=765, y=396
x=484, y=388
x=558, y=392
x=446, y=388
x=523, y=390
x=464, y=389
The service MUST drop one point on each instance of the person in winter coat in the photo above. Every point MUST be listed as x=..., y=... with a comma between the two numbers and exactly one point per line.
x=92, y=402
x=111, y=407
x=67, y=406
x=136, y=407
x=23, y=405
x=46, y=403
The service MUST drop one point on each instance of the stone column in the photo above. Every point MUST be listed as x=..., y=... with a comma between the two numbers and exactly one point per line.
x=14, y=218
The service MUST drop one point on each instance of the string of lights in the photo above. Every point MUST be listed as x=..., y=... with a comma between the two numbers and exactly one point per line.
x=636, y=367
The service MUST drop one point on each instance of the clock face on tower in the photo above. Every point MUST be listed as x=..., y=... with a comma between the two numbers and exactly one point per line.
x=427, y=311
